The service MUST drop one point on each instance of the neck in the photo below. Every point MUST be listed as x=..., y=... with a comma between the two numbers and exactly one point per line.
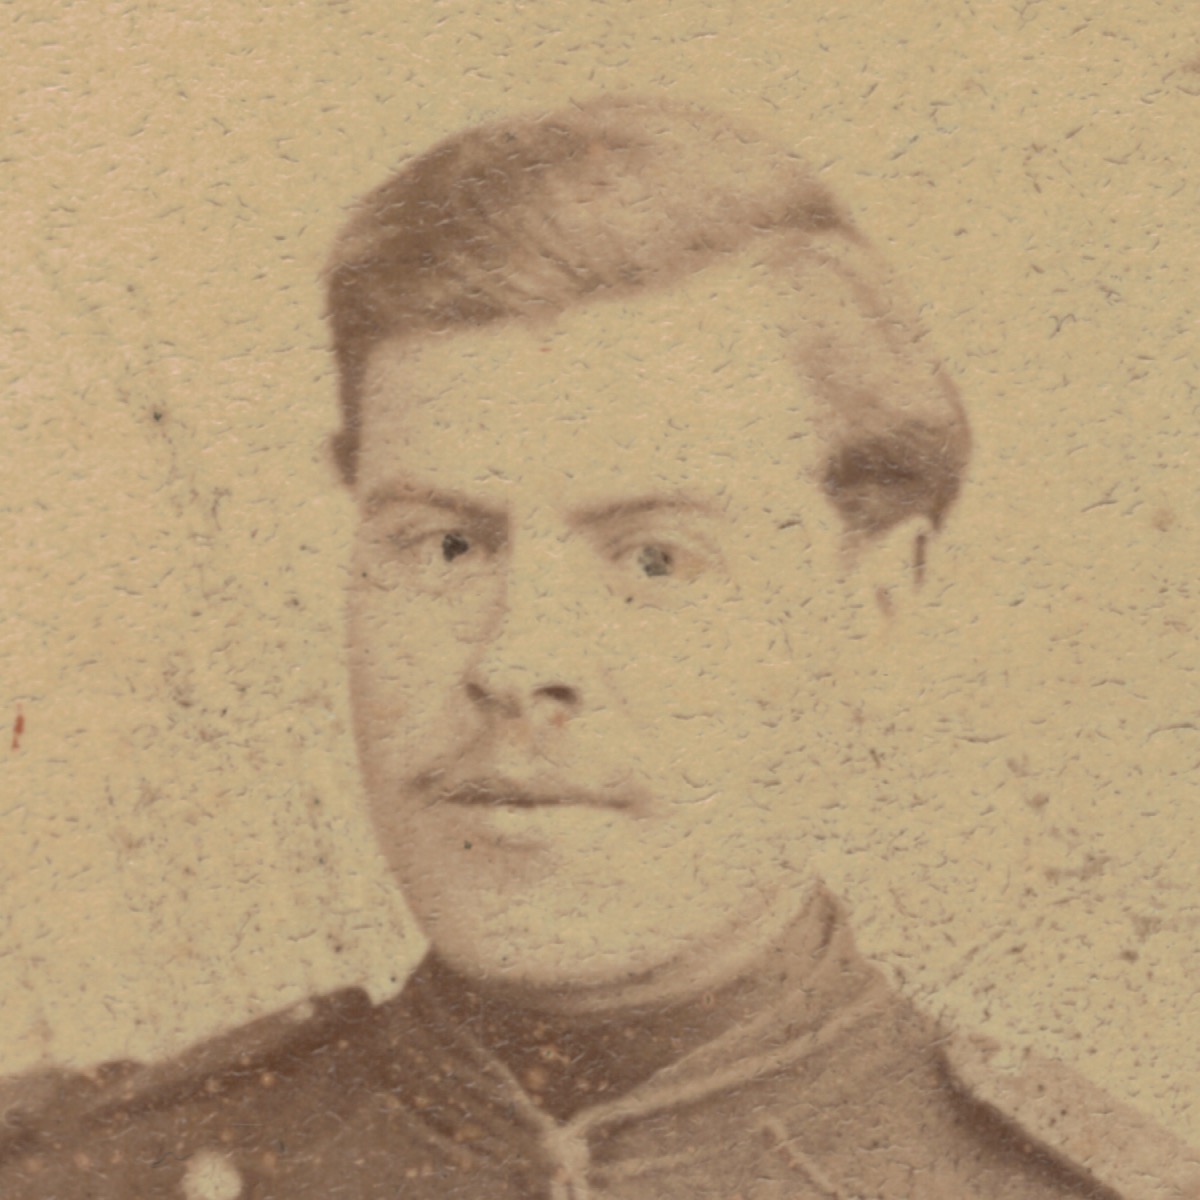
x=569, y=1054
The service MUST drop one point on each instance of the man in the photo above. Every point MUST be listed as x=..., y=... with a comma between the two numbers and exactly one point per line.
x=648, y=456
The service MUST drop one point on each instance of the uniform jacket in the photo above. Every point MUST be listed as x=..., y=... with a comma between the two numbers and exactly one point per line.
x=828, y=1086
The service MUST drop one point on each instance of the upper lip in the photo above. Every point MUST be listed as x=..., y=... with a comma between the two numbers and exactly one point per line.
x=503, y=792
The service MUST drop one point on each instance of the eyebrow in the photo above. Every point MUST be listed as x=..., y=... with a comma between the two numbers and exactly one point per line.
x=601, y=513
x=616, y=510
x=448, y=499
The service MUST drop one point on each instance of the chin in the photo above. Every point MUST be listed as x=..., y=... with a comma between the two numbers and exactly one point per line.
x=562, y=940
x=544, y=965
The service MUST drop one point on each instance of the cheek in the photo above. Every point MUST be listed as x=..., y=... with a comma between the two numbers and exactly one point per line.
x=402, y=665
x=698, y=696
x=671, y=666
x=777, y=685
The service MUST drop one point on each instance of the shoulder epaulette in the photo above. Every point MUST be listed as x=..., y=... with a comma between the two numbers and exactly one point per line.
x=1116, y=1145
x=51, y=1098
x=255, y=1046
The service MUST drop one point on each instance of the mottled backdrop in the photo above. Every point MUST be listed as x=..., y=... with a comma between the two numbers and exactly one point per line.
x=181, y=828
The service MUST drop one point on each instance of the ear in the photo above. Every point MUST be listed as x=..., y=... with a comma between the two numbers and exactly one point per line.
x=891, y=566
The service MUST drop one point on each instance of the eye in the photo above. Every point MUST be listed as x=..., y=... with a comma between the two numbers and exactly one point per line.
x=665, y=569
x=433, y=549
x=421, y=553
x=658, y=559
x=654, y=560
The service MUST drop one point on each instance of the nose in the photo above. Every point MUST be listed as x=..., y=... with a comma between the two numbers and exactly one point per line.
x=532, y=659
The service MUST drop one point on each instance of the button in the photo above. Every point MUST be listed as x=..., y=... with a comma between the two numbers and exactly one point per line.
x=211, y=1176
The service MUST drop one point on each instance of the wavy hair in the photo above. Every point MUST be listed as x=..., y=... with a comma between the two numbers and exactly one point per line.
x=528, y=217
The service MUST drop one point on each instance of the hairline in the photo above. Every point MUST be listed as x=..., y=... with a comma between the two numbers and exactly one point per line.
x=902, y=445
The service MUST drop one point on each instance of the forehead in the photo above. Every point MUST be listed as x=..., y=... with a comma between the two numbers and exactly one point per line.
x=699, y=383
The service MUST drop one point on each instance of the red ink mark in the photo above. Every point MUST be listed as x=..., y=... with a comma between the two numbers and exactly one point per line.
x=18, y=729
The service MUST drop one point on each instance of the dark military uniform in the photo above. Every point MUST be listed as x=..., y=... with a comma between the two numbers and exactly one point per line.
x=827, y=1087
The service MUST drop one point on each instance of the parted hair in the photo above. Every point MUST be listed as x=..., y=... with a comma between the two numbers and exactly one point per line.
x=527, y=217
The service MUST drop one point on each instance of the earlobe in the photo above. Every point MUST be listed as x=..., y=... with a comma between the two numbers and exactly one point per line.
x=920, y=545
x=894, y=565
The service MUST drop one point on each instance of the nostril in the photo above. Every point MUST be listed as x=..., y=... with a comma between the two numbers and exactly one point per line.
x=513, y=702
x=503, y=704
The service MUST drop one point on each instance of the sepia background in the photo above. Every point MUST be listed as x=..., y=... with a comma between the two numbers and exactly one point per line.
x=181, y=833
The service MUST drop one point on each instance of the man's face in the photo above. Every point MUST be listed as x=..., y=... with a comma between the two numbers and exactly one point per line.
x=605, y=661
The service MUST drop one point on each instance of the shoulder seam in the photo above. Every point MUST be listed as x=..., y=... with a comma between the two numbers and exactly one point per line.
x=1076, y=1122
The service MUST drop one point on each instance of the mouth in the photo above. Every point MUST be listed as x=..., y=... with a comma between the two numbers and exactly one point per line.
x=498, y=792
